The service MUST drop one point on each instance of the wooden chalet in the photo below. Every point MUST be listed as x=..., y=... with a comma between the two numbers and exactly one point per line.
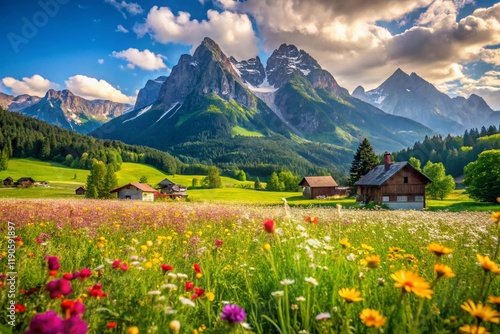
x=172, y=190
x=80, y=191
x=398, y=185
x=136, y=191
x=318, y=186
x=25, y=182
x=8, y=182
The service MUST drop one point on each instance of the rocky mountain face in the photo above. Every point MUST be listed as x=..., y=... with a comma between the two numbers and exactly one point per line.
x=216, y=109
x=251, y=70
x=17, y=103
x=149, y=94
x=66, y=110
x=412, y=97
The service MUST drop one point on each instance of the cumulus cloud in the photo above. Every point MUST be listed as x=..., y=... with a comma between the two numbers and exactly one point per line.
x=146, y=59
x=92, y=89
x=488, y=87
x=121, y=28
x=347, y=39
x=123, y=7
x=100, y=61
x=232, y=31
x=36, y=85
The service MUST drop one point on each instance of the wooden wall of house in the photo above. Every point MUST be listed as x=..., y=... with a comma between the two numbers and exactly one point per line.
x=323, y=191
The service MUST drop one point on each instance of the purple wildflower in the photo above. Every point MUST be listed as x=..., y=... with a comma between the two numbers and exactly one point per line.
x=232, y=313
x=47, y=323
x=75, y=325
x=53, y=262
x=58, y=288
x=78, y=309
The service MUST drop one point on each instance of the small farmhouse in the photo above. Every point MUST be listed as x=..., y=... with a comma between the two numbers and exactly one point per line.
x=398, y=185
x=318, y=186
x=8, y=182
x=172, y=190
x=25, y=182
x=80, y=191
x=136, y=191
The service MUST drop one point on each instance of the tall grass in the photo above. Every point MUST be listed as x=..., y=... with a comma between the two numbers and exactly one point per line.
x=287, y=281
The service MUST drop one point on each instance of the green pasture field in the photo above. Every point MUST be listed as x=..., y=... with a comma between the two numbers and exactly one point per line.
x=62, y=184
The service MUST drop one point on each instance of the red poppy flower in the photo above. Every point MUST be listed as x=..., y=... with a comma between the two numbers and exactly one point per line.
x=218, y=243
x=18, y=308
x=197, y=268
x=111, y=325
x=68, y=276
x=116, y=263
x=198, y=292
x=189, y=286
x=166, y=267
x=124, y=266
x=269, y=225
x=96, y=291
x=311, y=219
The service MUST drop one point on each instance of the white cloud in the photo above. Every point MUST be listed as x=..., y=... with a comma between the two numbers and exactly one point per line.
x=122, y=6
x=488, y=87
x=121, y=28
x=36, y=85
x=146, y=59
x=233, y=32
x=100, y=61
x=92, y=89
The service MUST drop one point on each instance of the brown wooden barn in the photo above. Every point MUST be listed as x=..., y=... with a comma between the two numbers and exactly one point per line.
x=398, y=185
x=25, y=182
x=172, y=190
x=8, y=182
x=318, y=186
x=80, y=191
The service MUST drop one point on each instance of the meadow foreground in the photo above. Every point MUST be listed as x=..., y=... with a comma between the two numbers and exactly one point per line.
x=84, y=266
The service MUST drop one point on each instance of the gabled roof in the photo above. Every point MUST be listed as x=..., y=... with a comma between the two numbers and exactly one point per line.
x=8, y=178
x=379, y=174
x=318, y=181
x=80, y=187
x=27, y=178
x=141, y=186
x=165, y=183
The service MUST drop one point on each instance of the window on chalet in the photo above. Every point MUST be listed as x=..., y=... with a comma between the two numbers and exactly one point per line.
x=402, y=199
x=405, y=179
x=419, y=198
x=385, y=198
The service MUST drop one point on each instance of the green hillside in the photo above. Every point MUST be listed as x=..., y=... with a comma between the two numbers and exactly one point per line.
x=62, y=184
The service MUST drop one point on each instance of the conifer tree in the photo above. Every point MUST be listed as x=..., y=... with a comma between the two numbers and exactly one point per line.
x=364, y=160
x=4, y=159
x=257, y=185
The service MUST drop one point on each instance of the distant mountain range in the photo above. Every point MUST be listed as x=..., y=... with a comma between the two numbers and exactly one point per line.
x=213, y=108
x=66, y=110
x=412, y=97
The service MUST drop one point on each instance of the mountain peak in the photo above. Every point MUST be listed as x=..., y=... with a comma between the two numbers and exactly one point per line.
x=286, y=61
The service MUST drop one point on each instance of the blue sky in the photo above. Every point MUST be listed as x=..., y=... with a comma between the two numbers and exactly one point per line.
x=110, y=48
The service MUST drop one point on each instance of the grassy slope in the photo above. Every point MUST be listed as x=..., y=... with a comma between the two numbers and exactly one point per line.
x=62, y=185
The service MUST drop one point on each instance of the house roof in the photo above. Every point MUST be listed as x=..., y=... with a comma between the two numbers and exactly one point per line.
x=379, y=174
x=141, y=186
x=8, y=178
x=80, y=187
x=27, y=178
x=165, y=183
x=318, y=181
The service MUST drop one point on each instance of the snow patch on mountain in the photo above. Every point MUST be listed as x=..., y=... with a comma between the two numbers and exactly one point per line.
x=169, y=110
x=142, y=111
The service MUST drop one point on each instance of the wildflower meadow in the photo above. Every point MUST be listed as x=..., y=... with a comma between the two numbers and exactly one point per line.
x=84, y=266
